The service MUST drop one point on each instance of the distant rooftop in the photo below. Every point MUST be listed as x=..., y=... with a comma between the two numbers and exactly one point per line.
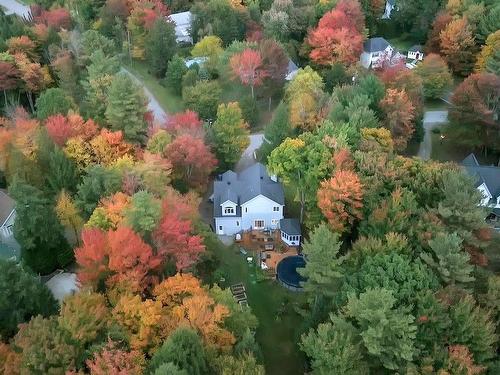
x=376, y=44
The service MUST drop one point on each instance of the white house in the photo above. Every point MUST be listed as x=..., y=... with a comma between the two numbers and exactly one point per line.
x=7, y=216
x=182, y=23
x=416, y=53
x=488, y=183
x=249, y=200
x=375, y=52
x=390, y=5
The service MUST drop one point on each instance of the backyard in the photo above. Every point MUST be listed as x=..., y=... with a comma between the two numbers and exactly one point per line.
x=274, y=307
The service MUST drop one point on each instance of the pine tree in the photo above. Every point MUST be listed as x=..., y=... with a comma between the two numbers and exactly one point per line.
x=126, y=108
x=323, y=268
x=175, y=71
x=452, y=262
x=160, y=46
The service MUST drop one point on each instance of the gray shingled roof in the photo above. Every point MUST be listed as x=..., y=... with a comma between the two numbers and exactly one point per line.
x=489, y=175
x=416, y=48
x=375, y=44
x=244, y=186
x=290, y=226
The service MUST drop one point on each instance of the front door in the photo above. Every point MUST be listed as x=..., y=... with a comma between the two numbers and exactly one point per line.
x=219, y=230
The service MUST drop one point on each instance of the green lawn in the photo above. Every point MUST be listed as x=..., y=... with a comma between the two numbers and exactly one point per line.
x=170, y=102
x=277, y=337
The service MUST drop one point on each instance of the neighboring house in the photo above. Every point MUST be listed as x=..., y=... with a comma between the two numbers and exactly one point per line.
x=63, y=284
x=197, y=60
x=375, y=52
x=7, y=216
x=9, y=247
x=182, y=26
x=292, y=70
x=290, y=232
x=416, y=53
x=249, y=200
x=390, y=5
x=488, y=183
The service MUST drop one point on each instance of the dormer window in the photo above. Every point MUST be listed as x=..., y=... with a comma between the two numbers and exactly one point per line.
x=229, y=211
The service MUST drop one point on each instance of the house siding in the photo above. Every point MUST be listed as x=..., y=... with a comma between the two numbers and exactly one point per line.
x=228, y=224
x=260, y=208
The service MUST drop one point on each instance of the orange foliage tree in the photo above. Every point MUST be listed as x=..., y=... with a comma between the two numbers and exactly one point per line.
x=248, y=67
x=458, y=46
x=120, y=258
x=187, y=122
x=398, y=115
x=112, y=360
x=340, y=199
x=339, y=35
x=60, y=128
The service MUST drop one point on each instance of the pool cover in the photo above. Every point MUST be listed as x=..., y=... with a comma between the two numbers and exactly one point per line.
x=287, y=271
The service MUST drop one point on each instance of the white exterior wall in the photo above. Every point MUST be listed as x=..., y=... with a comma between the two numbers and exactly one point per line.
x=228, y=204
x=388, y=10
x=485, y=193
x=375, y=59
x=286, y=239
x=366, y=59
x=261, y=208
x=415, y=55
x=6, y=230
x=227, y=225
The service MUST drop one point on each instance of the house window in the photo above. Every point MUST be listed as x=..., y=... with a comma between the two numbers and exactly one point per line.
x=220, y=227
x=229, y=210
x=258, y=224
x=276, y=208
x=237, y=223
x=274, y=221
x=246, y=209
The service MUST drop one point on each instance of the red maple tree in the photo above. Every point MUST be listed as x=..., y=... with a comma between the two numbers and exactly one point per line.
x=247, y=67
x=187, y=122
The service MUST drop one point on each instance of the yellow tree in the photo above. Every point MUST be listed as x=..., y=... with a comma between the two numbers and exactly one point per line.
x=491, y=48
x=458, y=46
x=68, y=214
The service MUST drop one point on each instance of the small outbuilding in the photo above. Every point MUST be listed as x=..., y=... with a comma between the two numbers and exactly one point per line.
x=416, y=53
x=290, y=232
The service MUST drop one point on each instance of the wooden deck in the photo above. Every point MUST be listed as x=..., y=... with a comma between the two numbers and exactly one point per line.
x=267, y=246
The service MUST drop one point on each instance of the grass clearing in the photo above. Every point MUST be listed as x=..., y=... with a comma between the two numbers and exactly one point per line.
x=274, y=307
x=170, y=102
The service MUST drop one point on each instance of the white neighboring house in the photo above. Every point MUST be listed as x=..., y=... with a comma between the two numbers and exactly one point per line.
x=291, y=71
x=182, y=23
x=249, y=200
x=375, y=52
x=7, y=216
x=416, y=53
x=488, y=183
x=390, y=5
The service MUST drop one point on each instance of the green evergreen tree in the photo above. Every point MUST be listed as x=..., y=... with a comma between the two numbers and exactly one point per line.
x=449, y=259
x=62, y=173
x=230, y=135
x=160, y=46
x=175, y=71
x=37, y=229
x=387, y=333
x=98, y=183
x=23, y=296
x=144, y=213
x=203, y=98
x=276, y=131
x=323, y=269
x=493, y=63
x=472, y=326
x=53, y=101
x=184, y=349
x=335, y=348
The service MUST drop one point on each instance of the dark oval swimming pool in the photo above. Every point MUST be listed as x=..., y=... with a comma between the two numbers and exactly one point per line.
x=287, y=274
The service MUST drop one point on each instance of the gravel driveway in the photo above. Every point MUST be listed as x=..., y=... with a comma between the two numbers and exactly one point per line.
x=432, y=119
x=247, y=158
x=159, y=114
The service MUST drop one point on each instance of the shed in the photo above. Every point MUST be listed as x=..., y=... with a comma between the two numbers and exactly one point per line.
x=416, y=52
x=290, y=231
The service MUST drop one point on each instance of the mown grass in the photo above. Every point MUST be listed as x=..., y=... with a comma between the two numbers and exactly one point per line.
x=274, y=307
x=170, y=102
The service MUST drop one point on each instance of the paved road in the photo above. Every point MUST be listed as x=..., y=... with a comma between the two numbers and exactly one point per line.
x=153, y=105
x=432, y=119
x=14, y=7
x=247, y=158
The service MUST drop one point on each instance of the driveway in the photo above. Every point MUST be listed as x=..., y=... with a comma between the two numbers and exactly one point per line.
x=247, y=158
x=432, y=119
x=158, y=112
x=13, y=7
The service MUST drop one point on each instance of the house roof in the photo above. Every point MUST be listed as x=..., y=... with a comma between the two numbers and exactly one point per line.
x=392, y=2
x=7, y=205
x=484, y=174
x=416, y=48
x=241, y=187
x=182, y=18
x=375, y=44
x=290, y=226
